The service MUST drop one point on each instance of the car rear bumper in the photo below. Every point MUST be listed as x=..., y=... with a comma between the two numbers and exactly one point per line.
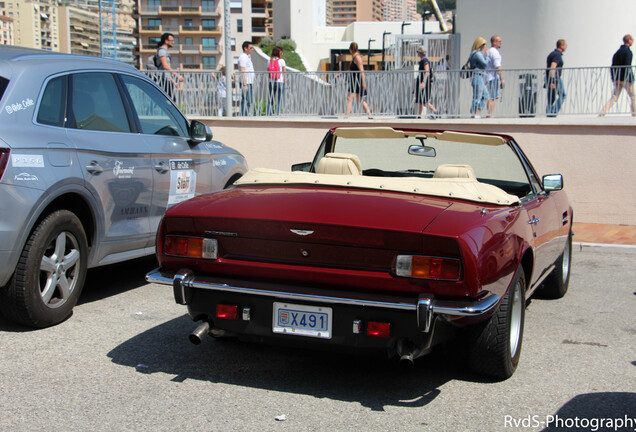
x=422, y=310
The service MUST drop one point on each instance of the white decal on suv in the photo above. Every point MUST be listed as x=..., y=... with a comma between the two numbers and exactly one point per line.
x=26, y=177
x=14, y=107
x=27, y=161
x=120, y=172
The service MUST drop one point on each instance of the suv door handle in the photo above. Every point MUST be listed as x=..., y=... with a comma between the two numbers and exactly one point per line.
x=162, y=167
x=94, y=168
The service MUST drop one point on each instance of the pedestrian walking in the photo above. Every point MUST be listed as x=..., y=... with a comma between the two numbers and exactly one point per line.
x=356, y=84
x=494, y=78
x=170, y=80
x=221, y=94
x=478, y=63
x=276, y=86
x=622, y=75
x=246, y=75
x=423, y=84
x=554, y=83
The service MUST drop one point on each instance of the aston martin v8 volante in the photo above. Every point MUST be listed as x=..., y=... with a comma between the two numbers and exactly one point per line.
x=390, y=240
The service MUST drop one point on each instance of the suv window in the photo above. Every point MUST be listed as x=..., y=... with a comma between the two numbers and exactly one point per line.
x=96, y=103
x=157, y=115
x=53, y=103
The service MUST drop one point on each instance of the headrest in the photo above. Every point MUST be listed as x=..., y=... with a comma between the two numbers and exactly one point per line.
x=340, y=163
x=454, y=171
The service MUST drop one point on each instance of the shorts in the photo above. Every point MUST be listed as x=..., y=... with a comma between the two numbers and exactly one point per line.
x=493, y=88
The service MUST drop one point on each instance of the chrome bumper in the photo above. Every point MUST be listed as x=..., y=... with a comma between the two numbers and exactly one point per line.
x=425, y=307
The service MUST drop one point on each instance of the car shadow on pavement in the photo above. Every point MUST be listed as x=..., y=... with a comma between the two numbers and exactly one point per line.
x=374, y=382
x=128, y=275
x=595, y=411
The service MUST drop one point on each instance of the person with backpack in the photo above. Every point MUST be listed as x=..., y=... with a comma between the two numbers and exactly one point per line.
x=478, y=64
x=162, y=62
x=276, y=68
x=423, y=85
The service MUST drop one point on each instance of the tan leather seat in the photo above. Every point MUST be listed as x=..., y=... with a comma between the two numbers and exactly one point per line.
x=454, y=171
x=339, y=163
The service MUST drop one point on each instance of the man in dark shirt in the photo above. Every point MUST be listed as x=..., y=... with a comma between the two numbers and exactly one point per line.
x=622, y=75
x=554, y=84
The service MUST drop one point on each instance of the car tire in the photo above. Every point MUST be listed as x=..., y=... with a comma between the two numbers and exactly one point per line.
x=50, y=274
x=556, y=284
x=494, y=347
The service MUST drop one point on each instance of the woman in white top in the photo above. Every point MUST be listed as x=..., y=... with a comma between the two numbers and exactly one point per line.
x=277, y=68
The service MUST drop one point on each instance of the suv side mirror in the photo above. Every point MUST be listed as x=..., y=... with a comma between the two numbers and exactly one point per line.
x=200, y=132
x=552, y=182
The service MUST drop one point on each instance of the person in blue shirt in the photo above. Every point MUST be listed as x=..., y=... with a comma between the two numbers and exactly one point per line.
x=478, y=64
x=554, y=83
x=622, y=75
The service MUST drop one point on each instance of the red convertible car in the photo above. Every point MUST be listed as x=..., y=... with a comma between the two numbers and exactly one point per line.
x=391, y=240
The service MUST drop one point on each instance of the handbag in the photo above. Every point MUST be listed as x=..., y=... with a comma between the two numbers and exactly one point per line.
x=466, y=69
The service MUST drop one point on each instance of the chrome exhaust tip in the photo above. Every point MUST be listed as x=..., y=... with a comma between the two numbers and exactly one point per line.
x=196, y=337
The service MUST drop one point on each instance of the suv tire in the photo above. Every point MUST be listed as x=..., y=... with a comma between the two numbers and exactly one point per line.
x=50, y=274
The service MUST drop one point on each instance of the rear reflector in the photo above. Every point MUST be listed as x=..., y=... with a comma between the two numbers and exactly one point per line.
x=378, y=329
x=228, y=312
x=427, y=267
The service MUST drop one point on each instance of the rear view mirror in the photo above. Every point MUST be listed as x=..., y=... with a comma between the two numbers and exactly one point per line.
x=553, y=182
x=200, y=132
x=422, y=150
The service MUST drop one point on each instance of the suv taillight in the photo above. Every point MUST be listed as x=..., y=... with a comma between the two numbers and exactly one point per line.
x=4, y=158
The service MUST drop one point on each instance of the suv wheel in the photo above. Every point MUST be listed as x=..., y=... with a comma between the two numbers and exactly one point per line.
x=50, y=274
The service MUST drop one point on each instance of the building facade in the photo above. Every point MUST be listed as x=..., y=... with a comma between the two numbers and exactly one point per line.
x=6, y=29
x=35, y=22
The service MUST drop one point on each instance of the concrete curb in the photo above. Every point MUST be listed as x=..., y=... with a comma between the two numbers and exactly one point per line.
x=604, y=247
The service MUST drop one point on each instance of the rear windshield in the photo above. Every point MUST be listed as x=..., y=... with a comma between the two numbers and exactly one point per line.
x=3, y=86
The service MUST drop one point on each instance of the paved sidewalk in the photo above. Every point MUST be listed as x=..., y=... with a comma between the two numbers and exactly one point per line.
x=599, y=233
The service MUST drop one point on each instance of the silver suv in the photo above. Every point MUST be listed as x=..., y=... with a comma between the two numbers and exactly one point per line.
x=92, y=153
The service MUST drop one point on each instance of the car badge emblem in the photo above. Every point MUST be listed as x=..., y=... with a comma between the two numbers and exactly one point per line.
x=301, y=232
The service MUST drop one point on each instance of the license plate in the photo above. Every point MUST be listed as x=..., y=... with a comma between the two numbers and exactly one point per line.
x=302, y=320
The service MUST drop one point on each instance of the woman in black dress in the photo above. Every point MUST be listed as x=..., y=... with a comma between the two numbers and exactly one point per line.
x=423, y=85
x=356, y=84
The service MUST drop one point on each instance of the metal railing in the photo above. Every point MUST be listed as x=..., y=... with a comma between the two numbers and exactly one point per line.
x=392, y=93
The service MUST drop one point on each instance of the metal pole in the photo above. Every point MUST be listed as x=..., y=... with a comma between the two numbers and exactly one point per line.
x=383, y=63
x=229, y=92
x=101, y=32
x=369, y=53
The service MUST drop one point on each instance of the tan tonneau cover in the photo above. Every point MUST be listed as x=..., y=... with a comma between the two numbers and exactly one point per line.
x=457, y=188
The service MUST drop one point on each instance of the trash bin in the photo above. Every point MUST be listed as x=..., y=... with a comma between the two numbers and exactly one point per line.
x=528, y=88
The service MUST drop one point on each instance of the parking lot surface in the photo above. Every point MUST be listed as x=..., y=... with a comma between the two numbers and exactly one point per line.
x=123, y=362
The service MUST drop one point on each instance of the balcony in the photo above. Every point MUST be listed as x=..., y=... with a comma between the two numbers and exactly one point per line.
x=180, y=10
x=190, y=66
x=194, y=29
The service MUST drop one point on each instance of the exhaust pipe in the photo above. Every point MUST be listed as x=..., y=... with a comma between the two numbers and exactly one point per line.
x=407, y=360
x=197, y=335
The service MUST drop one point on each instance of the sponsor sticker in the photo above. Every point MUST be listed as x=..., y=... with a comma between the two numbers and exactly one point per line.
x=27, y=161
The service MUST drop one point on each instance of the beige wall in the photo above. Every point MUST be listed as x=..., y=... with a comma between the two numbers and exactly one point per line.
x=596, y=157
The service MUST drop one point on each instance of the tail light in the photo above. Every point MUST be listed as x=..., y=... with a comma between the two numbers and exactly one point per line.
x=191, y=247
x=4, y=158
x=426, y=267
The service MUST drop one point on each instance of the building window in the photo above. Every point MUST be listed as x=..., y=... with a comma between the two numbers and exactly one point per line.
x=188, y=22
x=154, y=24
x=209, y=44
x=207, y=5
x=208, y=24
x=209, y=62
x=239, y=25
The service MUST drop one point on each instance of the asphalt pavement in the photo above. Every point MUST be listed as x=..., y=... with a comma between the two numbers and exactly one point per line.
x=123, y=362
